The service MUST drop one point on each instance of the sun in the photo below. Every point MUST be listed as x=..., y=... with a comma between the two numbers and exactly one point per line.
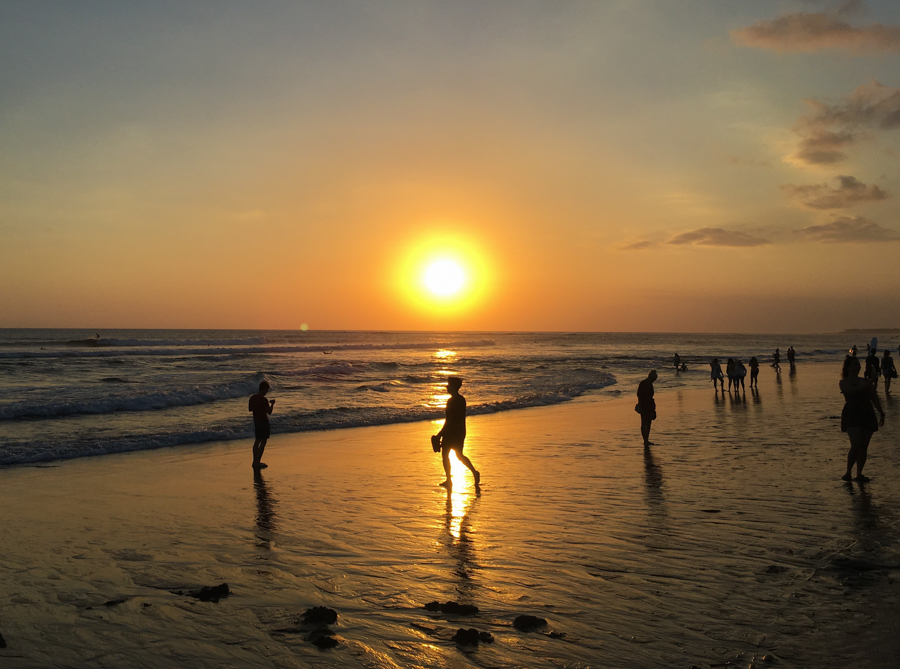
x=444, y=277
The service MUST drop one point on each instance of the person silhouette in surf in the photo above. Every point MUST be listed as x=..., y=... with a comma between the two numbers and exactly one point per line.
x=888, y=370
x=261, y=408
x=647, y=405
x=754, y=372
x=776, y=360
x=453, y=434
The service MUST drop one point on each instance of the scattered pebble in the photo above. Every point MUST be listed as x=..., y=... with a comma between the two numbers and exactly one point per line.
x=528, y=623
x=208, y=593
x=471, y=637
x=452, y=607
x=320, y=615
x=556, y=635
x=322, y=638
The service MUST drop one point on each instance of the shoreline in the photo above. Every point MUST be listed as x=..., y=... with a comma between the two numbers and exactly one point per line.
x=729, y=540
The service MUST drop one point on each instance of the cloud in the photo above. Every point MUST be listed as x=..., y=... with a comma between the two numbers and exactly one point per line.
x=639, y=246
x=850, y=229
x=831, y=128
x=808, y=32
x=822, y=196
x=717, y=237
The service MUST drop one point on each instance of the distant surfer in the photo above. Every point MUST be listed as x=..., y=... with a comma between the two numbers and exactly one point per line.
x=646, y=405
x=858, y=418
x=873, y=368
x=453, y=435
x=261, y=408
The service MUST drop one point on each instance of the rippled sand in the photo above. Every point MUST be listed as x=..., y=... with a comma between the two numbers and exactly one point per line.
x=731, y=540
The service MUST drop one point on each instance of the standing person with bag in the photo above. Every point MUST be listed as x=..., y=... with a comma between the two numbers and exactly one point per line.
x=453, y=435
x=888, y=370
x=646, y=405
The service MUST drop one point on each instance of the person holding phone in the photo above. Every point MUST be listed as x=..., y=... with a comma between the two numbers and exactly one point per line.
x=261, y=408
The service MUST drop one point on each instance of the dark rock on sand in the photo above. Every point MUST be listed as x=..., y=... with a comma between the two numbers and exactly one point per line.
x=528, y=623
x=2, y=642
x=776, y=569
x=114, y=602
x=556, y=635
x=453, y=607
x=208, y=593
x=471, y=637
x=322, y=638
x=319, y=615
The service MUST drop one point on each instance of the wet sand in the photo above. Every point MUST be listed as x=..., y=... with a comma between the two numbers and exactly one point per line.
x=730, y=541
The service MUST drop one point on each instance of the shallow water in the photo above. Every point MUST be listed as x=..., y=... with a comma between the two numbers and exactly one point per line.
x=730, y=540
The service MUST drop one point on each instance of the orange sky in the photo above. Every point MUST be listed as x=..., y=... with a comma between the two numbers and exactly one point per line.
x=644, y=166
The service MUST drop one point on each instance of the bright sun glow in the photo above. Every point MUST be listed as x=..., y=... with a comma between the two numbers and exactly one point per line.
x=444, y=278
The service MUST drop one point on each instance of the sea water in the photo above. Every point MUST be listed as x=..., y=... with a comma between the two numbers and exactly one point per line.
x=74, y=393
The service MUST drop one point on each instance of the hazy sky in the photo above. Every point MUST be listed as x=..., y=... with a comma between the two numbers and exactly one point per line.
x=701, y=165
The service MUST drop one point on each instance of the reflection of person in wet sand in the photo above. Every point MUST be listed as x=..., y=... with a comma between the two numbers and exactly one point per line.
x=265, y=509
x=453, y=434
x=261, y=408
x=647, y=405
x=858, y=417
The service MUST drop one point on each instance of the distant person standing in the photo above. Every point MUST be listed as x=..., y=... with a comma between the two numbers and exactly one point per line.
x=739, y=373
x=730, y=373
x=873, y=368
x=677, y=362
x=754, y=372
x=858, y=418
x=854, y=351
x=888, y=370
x=261, y=408
x=715, y=373
x=453, y=434
x=647, y=405
x=791, y=356
x=776, y=360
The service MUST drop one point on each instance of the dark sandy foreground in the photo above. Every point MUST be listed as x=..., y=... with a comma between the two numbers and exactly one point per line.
x=731, y=541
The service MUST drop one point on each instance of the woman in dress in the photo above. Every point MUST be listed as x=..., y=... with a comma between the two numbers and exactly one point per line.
x=858, y=418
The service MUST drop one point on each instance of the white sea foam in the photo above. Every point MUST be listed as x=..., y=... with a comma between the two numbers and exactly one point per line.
x=158, y=399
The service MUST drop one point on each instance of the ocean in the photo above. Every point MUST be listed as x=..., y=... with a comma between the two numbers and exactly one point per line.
x=76, y=393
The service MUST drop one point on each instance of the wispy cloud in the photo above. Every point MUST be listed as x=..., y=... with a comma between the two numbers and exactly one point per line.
x=717, y=237
x=850, y=229
x=832, y=128
x=850, y=190
x=808, y=32
x=639, y=246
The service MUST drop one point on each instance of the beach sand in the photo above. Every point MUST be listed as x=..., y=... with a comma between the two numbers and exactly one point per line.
x=732, y=540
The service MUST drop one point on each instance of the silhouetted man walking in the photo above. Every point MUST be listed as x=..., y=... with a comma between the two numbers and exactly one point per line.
x=453, y=434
